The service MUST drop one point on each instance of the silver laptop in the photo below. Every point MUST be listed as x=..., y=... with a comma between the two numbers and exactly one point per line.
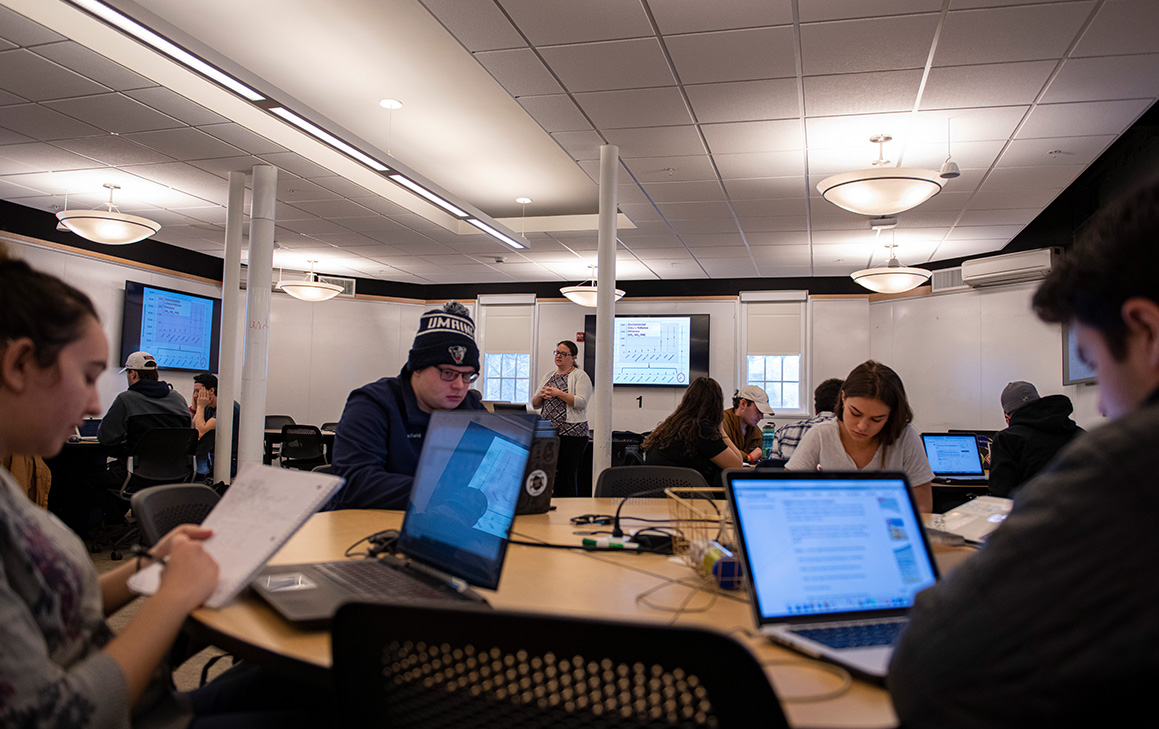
x=954, y=458
x=453, y=536
x=833, y=560
x=975, y=519
x=88, y=430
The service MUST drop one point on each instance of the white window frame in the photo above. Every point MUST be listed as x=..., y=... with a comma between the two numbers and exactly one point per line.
x=748, y=298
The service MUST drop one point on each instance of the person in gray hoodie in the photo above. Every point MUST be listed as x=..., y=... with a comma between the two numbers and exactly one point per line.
x=1038, y=429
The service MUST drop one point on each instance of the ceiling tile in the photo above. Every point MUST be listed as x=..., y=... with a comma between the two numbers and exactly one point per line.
x=635, y=108
x=966, y=248
x=657, y=141
x=296, y=190
x=176, y=106
x=37, y=156
x=7, y=99
x=731, y=268
x=556, y=113
x=677, y=269
x=12, y=191
x=478, y=24
x=993, y=198
x=704, y=227
x=1110, y=77
x=695, y=211
x=626, y=64
x=242, y=138
x=966, y=154
x=773, y=224
x=998, y=84
x=26, y=74
x=1122, y=26
x=577, y=21
x=295, y=164
x=757, y=136
x=757, y=164
x=816, y=10
x=342, y=186
x=113, y=150
x=10, y=137
x=878, y=44
x=769, y=208
x=185, y=144
x=862, y=93
x=640, y=212
x=1054, y=177
x=24, y=32
x=744, y=100
x=760, y=240
x=38, y=122
x=689, y=16
x=979, y=232
x=765, y=187
x=185, y=178
x=725, y=240
x=737, y=252
x=967, y=125
x=706, y=191
x=332, y=209
x=670, y=169
x=754, y=53
x=580, y=145
x=1083, y=119
x=115, y=113
x=998, y=217
x=96, y=67
x=222, y=166
x=1054, y=151
x=313, y=227
x=1021, y=33
x=367, y=223
x=520, y=72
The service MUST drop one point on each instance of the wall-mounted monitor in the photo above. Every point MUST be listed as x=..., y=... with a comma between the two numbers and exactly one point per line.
x=652, y=351
x=1074, y=370
x=181, y=330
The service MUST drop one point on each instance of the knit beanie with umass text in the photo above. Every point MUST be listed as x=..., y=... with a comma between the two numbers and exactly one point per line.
x=446, y=336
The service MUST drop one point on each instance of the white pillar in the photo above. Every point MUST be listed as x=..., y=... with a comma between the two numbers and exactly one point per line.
x=605, y=311
x=257, y=333
x=227, y=369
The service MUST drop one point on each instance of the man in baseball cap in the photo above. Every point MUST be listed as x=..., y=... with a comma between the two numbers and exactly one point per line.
x=148, y=396
x=750, y=405
x=381, y=432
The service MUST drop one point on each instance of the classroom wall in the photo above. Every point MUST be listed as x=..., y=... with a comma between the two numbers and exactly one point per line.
x=954, y=351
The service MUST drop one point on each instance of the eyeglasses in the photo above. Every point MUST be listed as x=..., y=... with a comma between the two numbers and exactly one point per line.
x=452, y=375
x=564, y=353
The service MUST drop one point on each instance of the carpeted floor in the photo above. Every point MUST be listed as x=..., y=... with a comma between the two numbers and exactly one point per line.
x=188, y=675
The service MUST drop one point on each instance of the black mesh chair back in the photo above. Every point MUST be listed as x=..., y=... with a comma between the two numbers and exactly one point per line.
x=162, y=455
x=420, y=667
x=330, y=427
x=625, y=481
x=302, y=447
x=275, y=422
x=136, y=426
x=161, y=508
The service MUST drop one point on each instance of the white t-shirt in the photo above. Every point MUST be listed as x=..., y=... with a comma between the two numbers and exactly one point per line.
x=822, y=447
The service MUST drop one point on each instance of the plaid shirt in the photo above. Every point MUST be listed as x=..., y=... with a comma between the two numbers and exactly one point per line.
x=789, y=436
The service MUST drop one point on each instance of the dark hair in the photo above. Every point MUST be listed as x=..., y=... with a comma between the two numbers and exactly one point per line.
x=698, y=416
x=875, y=380
x=206, y=380
x=737, y=400
x=825, y=396
x=1114, y=259
x=571, y=346
x=40, y=307
x=147, y=375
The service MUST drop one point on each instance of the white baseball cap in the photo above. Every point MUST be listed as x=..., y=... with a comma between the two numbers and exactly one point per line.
x=758, y=396
x=140, y=361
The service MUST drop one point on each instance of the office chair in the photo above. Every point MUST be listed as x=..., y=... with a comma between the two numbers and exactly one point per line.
x=324, y=468
x=625, y=481
x=161, y=508
x=275, y=422
x=302, y=447
x=330, y=427
x=162, y=455
x=414, y=667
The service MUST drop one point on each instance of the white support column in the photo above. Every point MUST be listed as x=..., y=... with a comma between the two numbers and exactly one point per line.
x=227, y=369
x=257, y=334
x=605, y=311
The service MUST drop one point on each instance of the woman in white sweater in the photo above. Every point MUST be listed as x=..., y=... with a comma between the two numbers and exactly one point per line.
x=563, y=399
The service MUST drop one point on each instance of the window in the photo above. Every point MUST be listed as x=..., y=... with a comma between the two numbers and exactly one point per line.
x=779, y=375
x=506, y=376
x=774, y=345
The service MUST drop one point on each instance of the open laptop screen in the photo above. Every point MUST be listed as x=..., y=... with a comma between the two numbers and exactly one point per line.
x=463, y=501
x=821, y=544
x=951, y=454
x=89, y=428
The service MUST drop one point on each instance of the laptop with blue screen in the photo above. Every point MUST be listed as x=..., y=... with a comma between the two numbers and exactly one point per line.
x=954, y=458
x=453, y=536
x=833, y=560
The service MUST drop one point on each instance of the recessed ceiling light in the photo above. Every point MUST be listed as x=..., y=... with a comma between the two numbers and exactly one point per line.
x=391, y=104
x=523, y=200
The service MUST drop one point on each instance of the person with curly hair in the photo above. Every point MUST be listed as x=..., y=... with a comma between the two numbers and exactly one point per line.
x=693, y=436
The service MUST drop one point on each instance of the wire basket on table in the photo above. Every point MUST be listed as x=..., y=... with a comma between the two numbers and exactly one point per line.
x=698, y=515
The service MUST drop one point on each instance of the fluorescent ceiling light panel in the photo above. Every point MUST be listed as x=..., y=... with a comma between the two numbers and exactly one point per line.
x=423, y=192
x=180, y=55
x=495, y=234
x=320, y=133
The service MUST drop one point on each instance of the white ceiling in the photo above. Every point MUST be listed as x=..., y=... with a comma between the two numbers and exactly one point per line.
x=726, y=115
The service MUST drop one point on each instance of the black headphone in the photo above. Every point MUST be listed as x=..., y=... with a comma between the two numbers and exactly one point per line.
x=602, y=519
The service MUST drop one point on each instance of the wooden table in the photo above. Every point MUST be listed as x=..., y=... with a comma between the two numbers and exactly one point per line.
x=558, y=581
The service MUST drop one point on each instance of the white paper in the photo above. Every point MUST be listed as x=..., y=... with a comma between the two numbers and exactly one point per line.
x=262, y=509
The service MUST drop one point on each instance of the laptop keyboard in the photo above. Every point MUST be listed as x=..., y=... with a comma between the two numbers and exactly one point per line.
x=372, y=579
x=857, y=635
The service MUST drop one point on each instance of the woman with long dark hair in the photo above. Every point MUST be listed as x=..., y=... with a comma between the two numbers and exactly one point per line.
x=691, y=436
x=872, y=432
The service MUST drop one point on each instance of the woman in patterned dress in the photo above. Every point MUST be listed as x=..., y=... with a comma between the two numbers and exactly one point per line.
x=563, y=399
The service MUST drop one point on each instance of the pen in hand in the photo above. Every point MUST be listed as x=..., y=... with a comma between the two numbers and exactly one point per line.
x=142, y=553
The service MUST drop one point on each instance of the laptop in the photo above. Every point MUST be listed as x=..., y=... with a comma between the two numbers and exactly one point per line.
x=954, y=458
x=975, y=519
x=454, y=534
x=833, y=559
x=87, y=432
x=539, y=481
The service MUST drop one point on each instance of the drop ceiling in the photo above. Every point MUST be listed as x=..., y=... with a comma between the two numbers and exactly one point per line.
x=726, y=116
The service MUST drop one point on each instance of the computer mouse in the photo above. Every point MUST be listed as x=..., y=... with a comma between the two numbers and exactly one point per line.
x=74, y=439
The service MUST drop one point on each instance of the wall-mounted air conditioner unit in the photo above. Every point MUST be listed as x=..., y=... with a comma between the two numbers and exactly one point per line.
x=1009, y=268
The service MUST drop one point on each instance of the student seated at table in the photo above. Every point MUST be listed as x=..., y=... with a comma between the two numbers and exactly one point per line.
x=1054, y=623
x=205, y=418
x=750, y=405
x=1037, y=429
x=381, y=432
x=872, y=432
x=60, y=664
x=693, y=436
x=824, y=403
